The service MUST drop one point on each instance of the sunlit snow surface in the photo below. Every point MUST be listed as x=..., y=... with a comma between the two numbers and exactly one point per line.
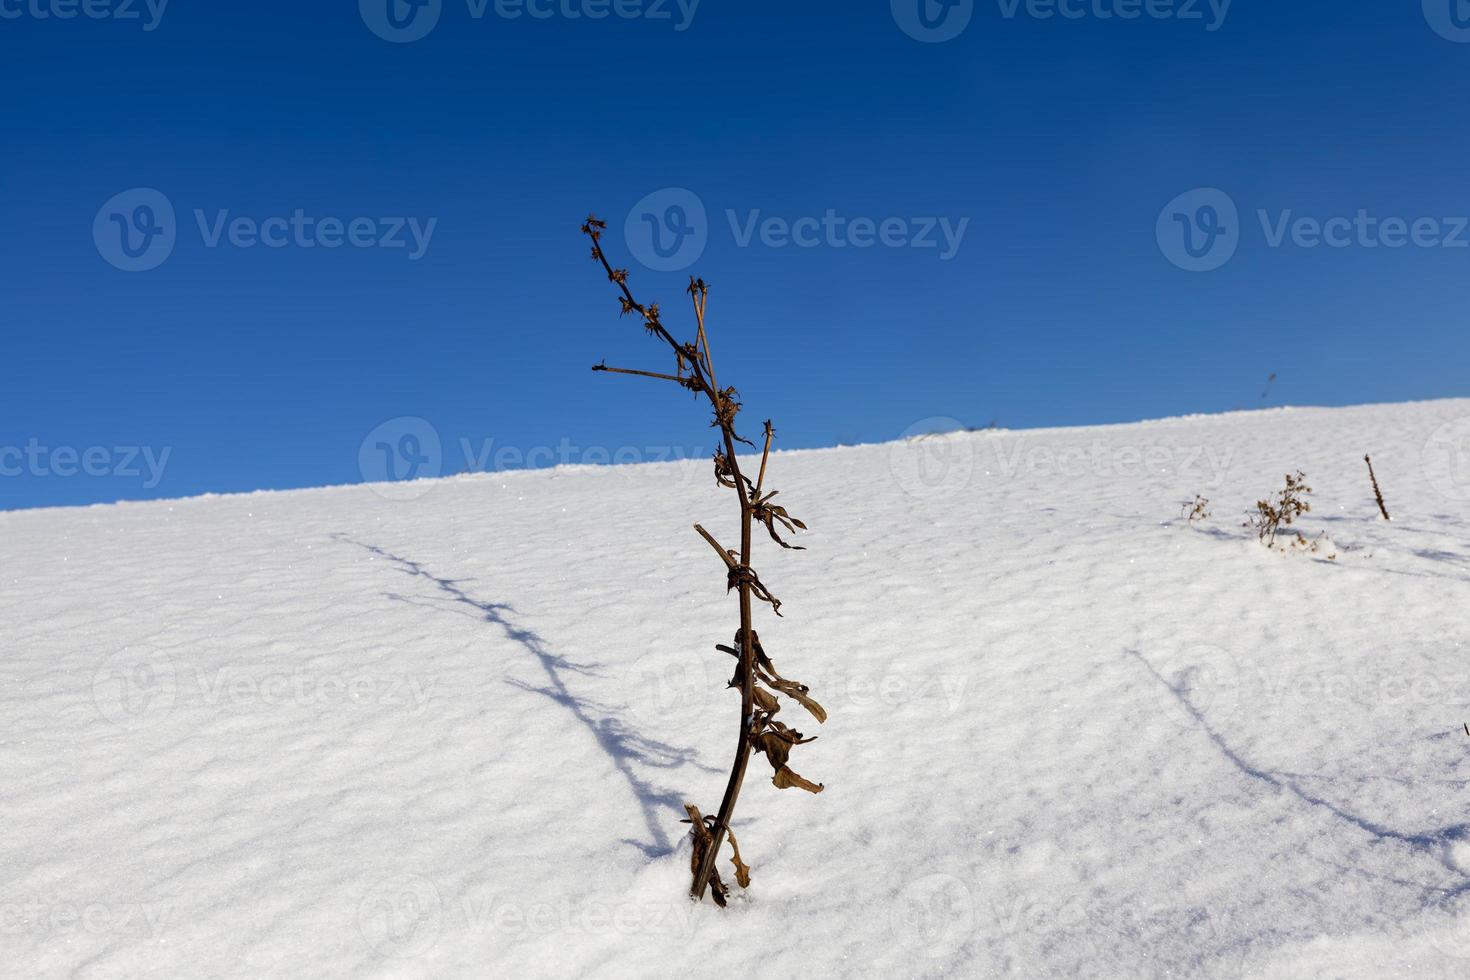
x=446, y=729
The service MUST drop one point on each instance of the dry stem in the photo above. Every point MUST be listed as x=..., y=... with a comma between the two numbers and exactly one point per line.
x=1377, y=493
x=701, y=378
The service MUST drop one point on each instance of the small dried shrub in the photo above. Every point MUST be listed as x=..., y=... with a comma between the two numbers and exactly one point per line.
x=1197, y=509
x=1273, y=515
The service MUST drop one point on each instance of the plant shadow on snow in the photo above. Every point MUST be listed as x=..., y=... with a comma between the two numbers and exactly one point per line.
x=1375, y=544
x=1439, y=554
x=1435, y=843
x=1378, y=542
x=1219, y=535
x=627, y=749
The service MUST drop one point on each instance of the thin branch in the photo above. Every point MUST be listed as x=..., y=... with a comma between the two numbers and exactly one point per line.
x=719, y=548
x=1377, y=493
x=650, y=314
x=699, y=292
x=765, y=455
x=643, y=374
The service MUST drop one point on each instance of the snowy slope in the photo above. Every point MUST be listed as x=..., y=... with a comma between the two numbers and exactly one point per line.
x=334, y=733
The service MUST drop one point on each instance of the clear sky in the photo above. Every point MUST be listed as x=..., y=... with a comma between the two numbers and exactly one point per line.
x=1031, y=214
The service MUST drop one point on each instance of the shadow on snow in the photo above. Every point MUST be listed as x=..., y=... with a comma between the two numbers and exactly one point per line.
x=628, y=750
x=1435, y=843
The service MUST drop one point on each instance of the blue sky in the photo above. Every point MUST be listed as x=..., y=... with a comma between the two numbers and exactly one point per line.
x=977, y=214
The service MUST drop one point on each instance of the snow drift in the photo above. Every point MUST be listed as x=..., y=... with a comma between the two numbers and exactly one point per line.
x=343, y=733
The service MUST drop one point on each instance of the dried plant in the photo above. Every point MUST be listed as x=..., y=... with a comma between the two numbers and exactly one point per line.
x=1377, y=493
x=1196, y=509
x=755, y=676
x=1272, y=515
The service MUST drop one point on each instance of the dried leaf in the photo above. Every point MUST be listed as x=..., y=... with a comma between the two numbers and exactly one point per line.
x=785, y=779
x=776, y=750
x=703, y=838
x=742, y=870
x=776, y=742
x=789, y=735
x=766, y=673
x=725, y=473
x=798, y=693
x=717, y=889
x=765, y=701
x=770, y=514
x=744, y=574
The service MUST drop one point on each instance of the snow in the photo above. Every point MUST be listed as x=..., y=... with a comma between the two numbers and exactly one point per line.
x=358, y=732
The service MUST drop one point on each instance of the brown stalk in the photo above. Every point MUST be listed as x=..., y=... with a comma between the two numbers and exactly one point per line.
x=699, y=292
x=642, y=374
x=757, y=732
x=1377, y=493
x=719, y=548
x=760, y=479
